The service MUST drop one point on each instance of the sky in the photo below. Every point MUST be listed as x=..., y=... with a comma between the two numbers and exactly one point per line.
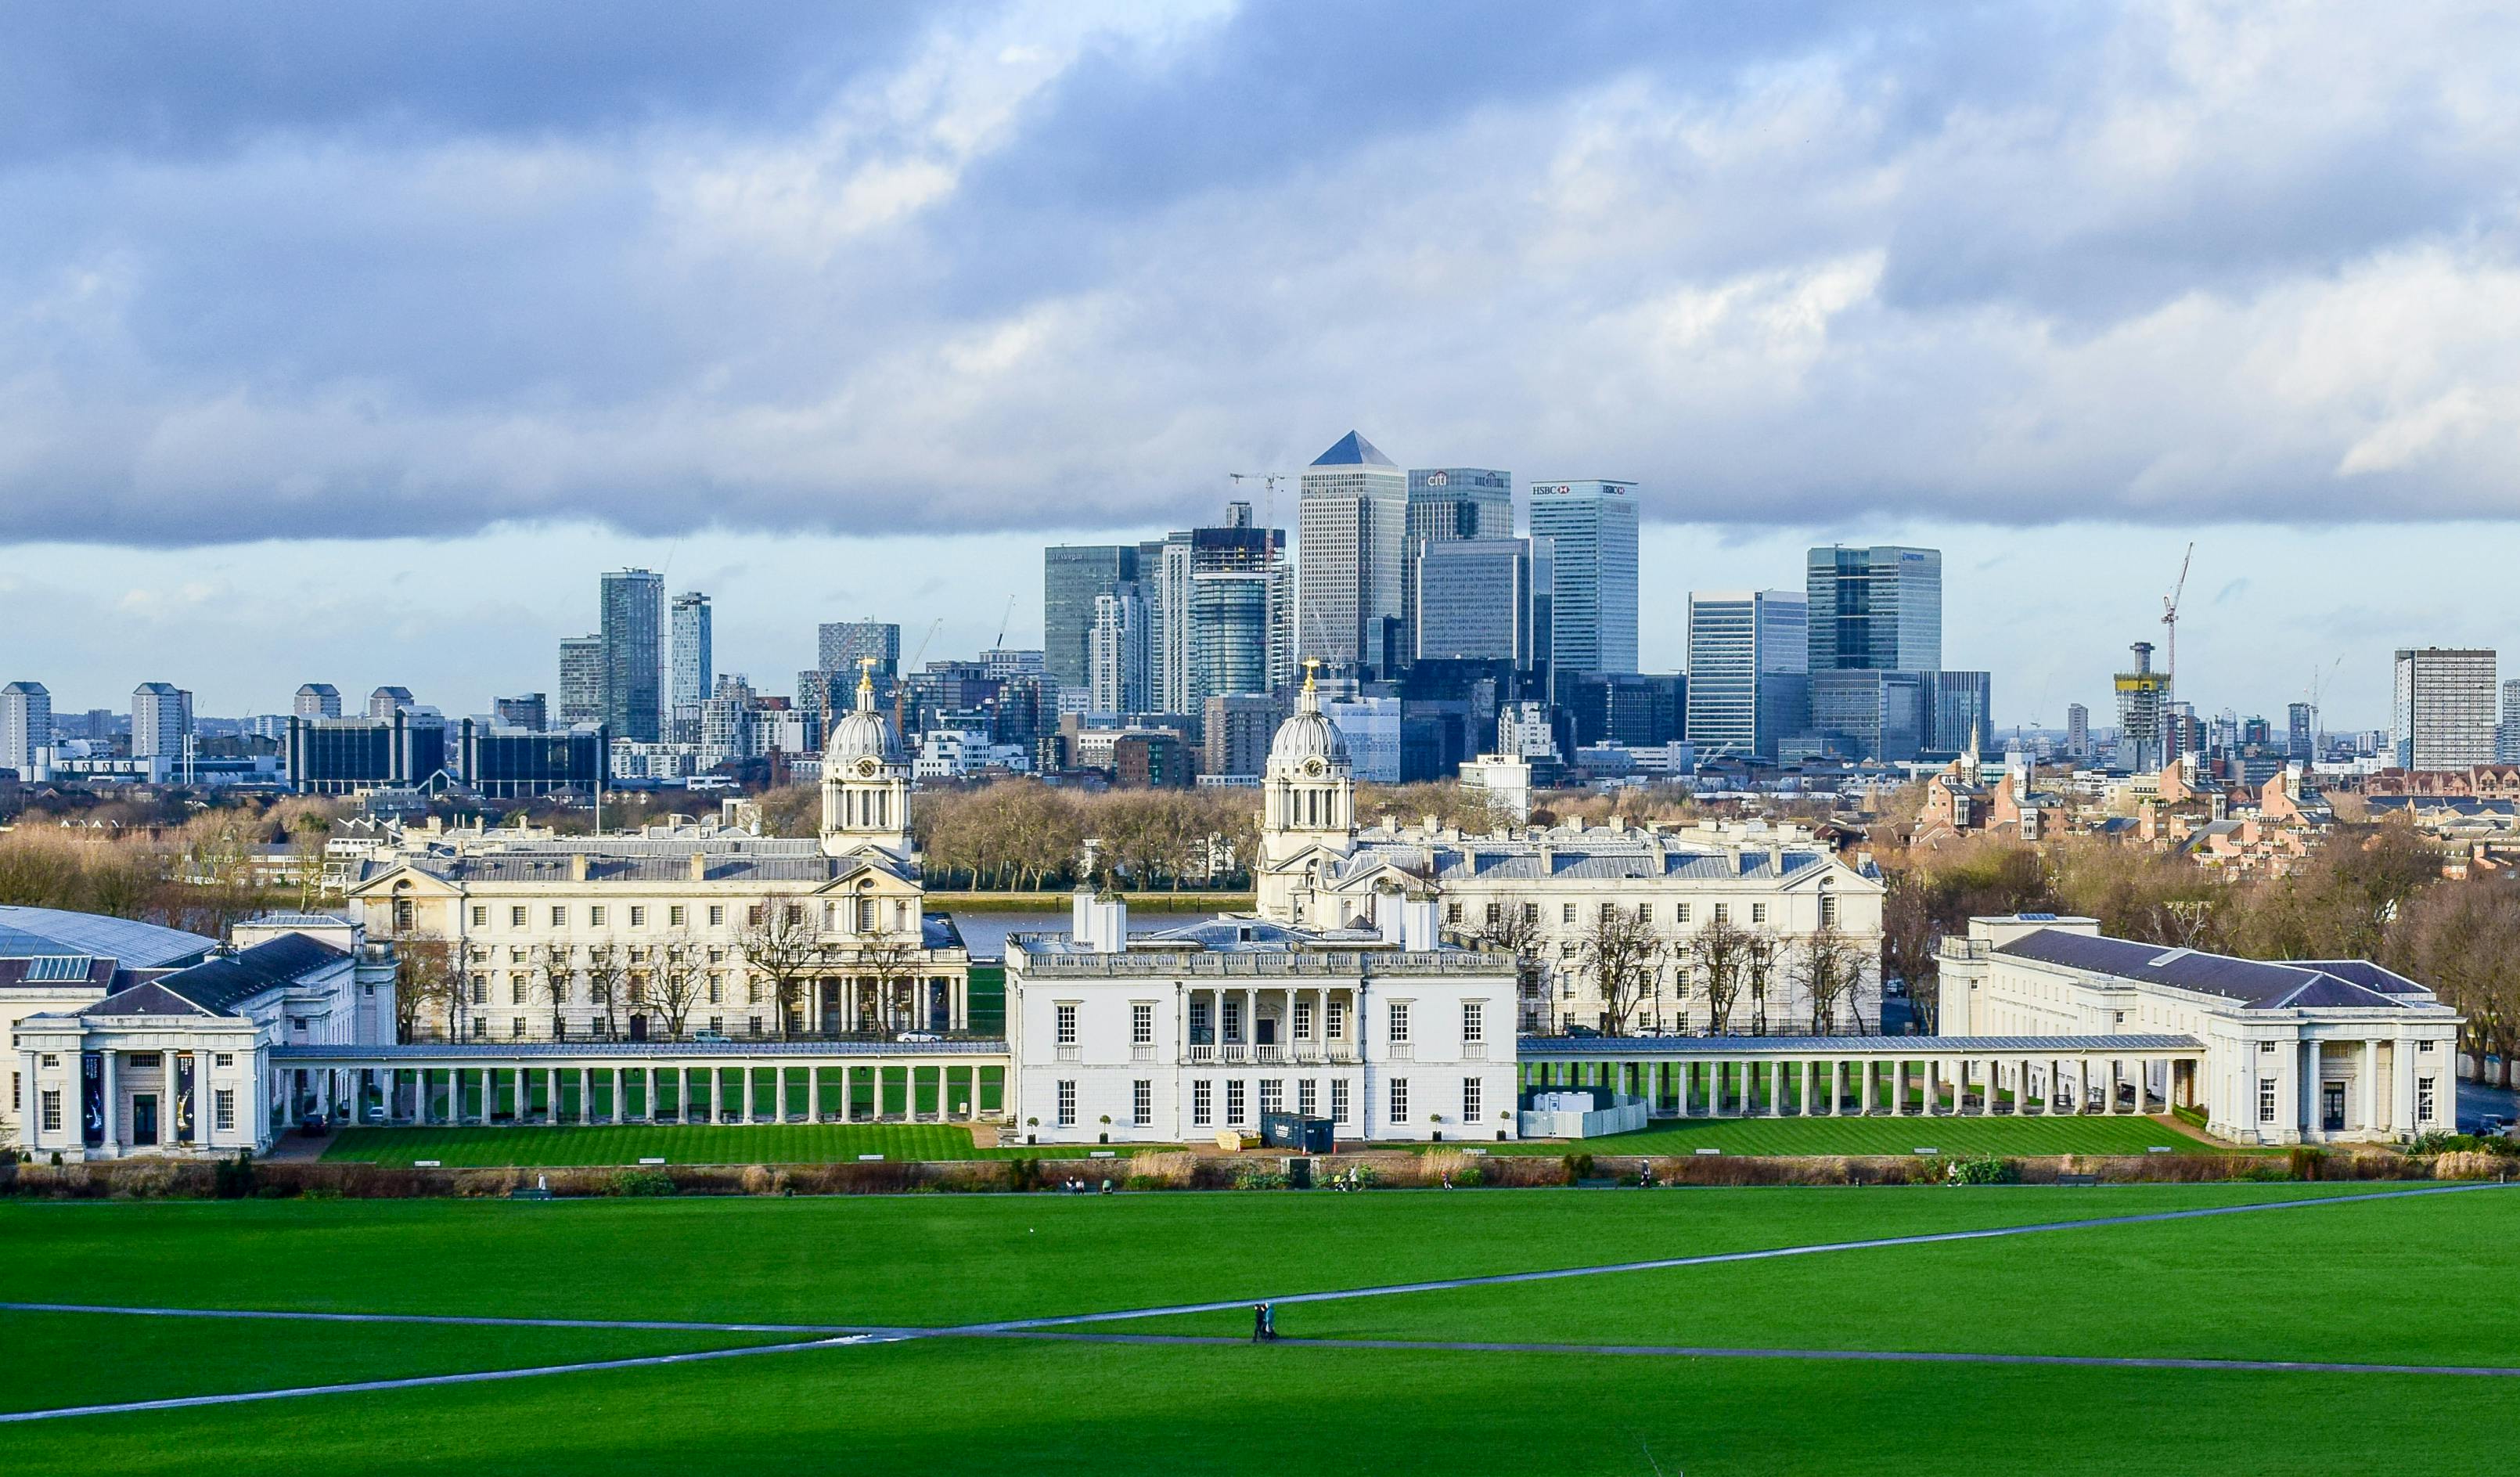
x=351, y=343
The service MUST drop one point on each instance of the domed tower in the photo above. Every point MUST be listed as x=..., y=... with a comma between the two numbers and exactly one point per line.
x=1307, y=802
x=865, y=780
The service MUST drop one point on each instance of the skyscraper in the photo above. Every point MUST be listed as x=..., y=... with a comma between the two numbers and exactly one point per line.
x=2444, y=710
x=694, y=665
x=1117, y=678
x=843, y=645
x=1218, y=611
x=2301, y=740
x=1958, y=706
x=386, y=702
x=581, y=680
x=1471, y=598
x=1592, y=527
x=2143, y=710
x=1447, y=503
x=1877, y=608
x=2506, y=734
x=1748, y=682
x=1073, y=575
x=1350, y=526
x=26, y=725
x=1864, y=713
x=633, y=631
x=162, y=719
x=2078, y=730
x=318, y=700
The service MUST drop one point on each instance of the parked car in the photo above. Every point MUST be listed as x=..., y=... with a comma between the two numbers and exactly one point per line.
x=919, y=1036
x=708, y=1036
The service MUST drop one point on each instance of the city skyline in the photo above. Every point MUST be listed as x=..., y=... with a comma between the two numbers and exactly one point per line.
x=2051, y=628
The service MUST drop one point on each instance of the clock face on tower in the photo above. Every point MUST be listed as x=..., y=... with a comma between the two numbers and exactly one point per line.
x=867, y=767
x=1314, y=767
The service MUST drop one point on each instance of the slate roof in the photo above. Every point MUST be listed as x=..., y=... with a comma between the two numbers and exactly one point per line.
x=1575, y=857
x=221, y=984
x=2258, y=985
x=1352, y=450
x=638, y=860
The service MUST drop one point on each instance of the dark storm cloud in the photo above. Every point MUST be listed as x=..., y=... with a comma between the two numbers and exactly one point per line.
x=399, y=269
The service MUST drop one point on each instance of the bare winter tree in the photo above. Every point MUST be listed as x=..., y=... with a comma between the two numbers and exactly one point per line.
x=429, y=982
x=1720, y=947
x=607, y=978
x=1760, y=953
x=889, y=972
x=1516, y=929
x=781, y=945
x=553, y=980
x=1831, y=970
x=672, y=984
x=1618, y=952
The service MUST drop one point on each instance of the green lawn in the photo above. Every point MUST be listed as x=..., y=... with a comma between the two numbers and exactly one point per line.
x=676, y=1144
x=54, y=1358
x=1012, y=1407
x=2406, y=1279
x=2184, y=1290
x=1889, y=1135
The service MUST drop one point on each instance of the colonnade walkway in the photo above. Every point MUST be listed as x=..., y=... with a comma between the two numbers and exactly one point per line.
x=1831, y=1076
x=643, y=1082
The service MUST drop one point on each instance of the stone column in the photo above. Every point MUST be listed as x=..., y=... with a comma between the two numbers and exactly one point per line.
x=2367, y=1090
x=112, y=1081
x=2306, y=1063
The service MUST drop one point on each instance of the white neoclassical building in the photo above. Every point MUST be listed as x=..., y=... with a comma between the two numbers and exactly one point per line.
x=181, y=1061
x=2306, y=1051
x=579, y=937
x=1179, y=1035
x=1545, y=887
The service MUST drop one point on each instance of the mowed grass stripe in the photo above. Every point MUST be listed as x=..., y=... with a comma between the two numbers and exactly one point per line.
x=1806, y=1136
x=676, y=1144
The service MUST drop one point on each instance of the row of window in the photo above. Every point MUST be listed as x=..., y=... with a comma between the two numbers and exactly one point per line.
x=2423, y=1096
x=560, y=1027
x=863, y=914
x=1142, y=1021
x=1681, y=912
x=222, y=1110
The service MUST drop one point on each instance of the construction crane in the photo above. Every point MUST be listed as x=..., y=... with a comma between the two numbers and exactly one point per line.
x=1002, y=622
x=1268, y=481
x=2169, y=625
x=2318, y=680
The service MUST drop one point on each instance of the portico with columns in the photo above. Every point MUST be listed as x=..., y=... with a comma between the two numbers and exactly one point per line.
x=2288, y=1052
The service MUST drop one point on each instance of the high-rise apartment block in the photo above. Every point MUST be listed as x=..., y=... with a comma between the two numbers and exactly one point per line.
x=318, y=700
x=386, y=702
x=2078, y=730
x=1219, y=602
x=634, y=637
x=2443, y=713
x=1750, y=682
x=2301, y=741
x=1117, y=671
x=1351, y=527
x=26, y=725
x=2144, y=711
x=162, y=719
x=692, y=665
x=581, y=680
x=1592, y=528
x=845, y=647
